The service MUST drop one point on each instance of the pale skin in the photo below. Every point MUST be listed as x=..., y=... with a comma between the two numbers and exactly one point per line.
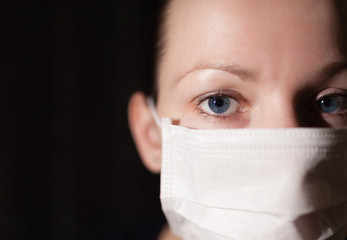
x=272, y=61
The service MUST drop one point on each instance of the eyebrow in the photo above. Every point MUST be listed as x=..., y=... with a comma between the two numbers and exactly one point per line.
x=234, y=69
x=326, y=74
x=331, y=71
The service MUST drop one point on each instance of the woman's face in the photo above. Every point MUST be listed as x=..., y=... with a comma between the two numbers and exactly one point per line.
x=253, y=64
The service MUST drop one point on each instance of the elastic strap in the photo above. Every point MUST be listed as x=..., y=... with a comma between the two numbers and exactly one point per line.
x=153, y=110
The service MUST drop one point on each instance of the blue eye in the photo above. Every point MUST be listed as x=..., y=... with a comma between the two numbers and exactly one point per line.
x=329, y=104
x=220, y=105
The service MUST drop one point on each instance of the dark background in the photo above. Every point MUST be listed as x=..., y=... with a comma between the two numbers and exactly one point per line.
x=68, y=166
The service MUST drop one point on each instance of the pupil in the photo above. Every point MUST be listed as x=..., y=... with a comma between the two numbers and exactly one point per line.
x=326, y=102
x=219, y=105
x=219, y=102
x=329, y=104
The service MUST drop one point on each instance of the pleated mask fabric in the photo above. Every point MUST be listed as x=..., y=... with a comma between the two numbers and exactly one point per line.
x=281, y=184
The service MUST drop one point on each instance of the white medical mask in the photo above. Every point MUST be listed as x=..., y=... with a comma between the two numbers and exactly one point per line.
x=254, y=183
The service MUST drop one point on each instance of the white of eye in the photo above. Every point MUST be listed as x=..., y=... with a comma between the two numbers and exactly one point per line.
x=220, y=105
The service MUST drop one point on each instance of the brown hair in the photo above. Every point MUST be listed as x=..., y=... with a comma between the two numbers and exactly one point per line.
x=160, y=37
x=159, y=43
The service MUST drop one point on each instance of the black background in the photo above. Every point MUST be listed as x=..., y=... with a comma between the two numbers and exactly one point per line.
x=68, y=166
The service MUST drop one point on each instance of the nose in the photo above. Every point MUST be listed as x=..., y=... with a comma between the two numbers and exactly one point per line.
x=279, y=119
x=277, y=113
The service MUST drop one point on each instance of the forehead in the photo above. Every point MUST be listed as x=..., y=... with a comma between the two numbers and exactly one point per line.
x=248, y=32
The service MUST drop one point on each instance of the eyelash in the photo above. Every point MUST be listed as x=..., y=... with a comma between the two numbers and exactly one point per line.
x=232, y=95
x=240, y=100
x=334, y=93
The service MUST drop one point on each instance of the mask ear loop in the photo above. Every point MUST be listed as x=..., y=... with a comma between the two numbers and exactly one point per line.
x=153, y=110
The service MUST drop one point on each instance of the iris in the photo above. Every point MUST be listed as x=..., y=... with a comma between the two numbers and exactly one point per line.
x=219, y=104
x=328, y=104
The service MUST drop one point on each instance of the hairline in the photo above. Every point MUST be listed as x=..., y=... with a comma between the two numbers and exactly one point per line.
x=161, y=42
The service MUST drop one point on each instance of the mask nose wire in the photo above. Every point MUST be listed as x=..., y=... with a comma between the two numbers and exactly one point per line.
x=153, y=110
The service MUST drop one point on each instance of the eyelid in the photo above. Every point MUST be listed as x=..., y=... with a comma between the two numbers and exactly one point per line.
x=238, y=98
x=227, y=93
x=331, y=92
